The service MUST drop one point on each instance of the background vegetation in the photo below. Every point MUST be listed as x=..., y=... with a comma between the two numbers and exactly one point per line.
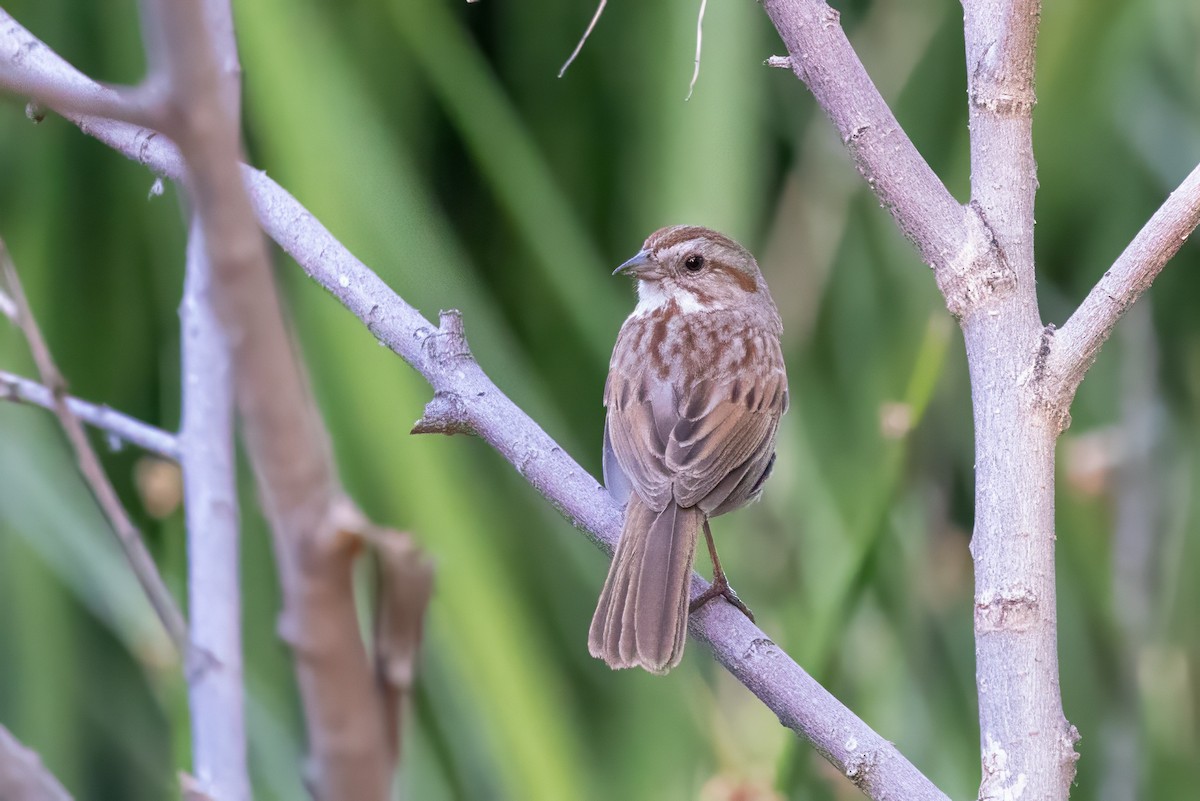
x=433, y=138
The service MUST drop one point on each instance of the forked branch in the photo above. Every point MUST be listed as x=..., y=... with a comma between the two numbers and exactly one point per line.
x=950, y=237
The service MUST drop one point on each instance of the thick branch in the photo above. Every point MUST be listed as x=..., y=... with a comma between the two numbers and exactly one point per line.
x=950, y=237
x=127, y=429
x=1027, y=746
x=1076, y=344
x=23, y=777
x=441, y=356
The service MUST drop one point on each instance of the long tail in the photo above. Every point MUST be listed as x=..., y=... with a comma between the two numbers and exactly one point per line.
x=641, y=619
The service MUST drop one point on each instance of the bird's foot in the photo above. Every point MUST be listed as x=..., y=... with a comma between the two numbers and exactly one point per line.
x=720, y=588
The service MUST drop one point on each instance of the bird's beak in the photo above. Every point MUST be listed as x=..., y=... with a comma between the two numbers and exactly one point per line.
x=636, y=266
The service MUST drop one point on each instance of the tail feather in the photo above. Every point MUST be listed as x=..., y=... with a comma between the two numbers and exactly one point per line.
x=641, y=618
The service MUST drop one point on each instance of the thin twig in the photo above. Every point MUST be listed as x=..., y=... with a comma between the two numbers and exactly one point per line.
x=1077, y=343
x=584, y=38
x=23, y=777
x=126, y=429
x=699, y=42
x=93, y=473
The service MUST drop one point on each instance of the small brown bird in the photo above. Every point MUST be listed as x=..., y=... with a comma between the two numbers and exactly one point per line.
x=695, y=391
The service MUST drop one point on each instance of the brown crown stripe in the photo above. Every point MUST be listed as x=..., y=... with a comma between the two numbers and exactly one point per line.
x=673, y=235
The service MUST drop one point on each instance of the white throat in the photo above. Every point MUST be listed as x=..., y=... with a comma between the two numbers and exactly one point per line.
x=652, y=297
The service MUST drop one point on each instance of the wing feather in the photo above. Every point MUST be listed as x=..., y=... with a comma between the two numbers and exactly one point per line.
x=685, y=444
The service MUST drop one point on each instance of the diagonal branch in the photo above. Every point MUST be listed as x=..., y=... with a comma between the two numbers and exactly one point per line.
x=89, y=466
x=22, y=390
x=23, y=777
x=950, y=237
x=466, y=399
x=1076, y=344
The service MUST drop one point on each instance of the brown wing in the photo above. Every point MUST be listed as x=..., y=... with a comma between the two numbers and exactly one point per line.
x=683, y=448
x=723, y=429
x=640, y=419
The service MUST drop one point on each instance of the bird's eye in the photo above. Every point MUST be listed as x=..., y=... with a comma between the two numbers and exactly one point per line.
x=694, y=263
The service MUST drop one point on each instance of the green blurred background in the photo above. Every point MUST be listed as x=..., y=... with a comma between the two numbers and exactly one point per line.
x=433, y=138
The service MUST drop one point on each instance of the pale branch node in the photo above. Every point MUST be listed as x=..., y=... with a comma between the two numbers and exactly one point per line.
x=124, y=428
x=1076, y=344
x=129, y=538
x=783, y=686
x=23, y=777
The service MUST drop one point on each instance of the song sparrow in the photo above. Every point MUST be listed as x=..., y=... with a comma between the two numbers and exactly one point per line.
x=695, y=391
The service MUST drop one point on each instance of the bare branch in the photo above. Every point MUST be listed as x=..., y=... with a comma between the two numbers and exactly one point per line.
x=216, y=694
x=93, y=473
x=1077, y=343
x=699, y=43
x=23, y=777
x=127, y=429
x=583, y=39
x=215, y=690
x=1027, y=745
x=441, y=356
x=139, y=105
x=950, y=237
